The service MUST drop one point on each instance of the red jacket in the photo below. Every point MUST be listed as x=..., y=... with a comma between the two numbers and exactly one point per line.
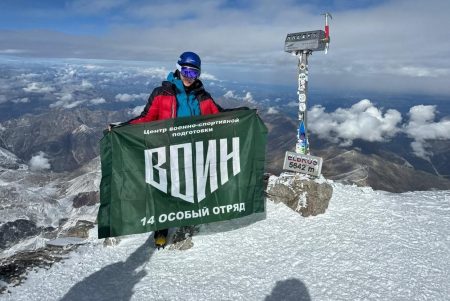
x=162, y=103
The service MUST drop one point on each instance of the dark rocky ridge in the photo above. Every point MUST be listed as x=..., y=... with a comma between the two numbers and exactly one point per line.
x=14, y=269
x=86, y=199
x=13, y=232
x=8, y=160
x=70, y=138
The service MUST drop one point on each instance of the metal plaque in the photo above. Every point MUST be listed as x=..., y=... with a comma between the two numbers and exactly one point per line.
x=308, y=40
x=305, y=164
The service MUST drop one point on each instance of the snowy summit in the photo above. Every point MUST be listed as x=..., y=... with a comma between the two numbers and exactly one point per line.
x=369, y=245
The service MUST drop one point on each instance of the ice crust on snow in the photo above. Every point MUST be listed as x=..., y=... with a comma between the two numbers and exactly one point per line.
x=369, y=245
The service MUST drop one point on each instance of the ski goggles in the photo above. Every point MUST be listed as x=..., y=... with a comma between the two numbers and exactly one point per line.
x=189, y=72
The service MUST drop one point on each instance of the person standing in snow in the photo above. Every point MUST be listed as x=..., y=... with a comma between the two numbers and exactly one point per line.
x=181, y=95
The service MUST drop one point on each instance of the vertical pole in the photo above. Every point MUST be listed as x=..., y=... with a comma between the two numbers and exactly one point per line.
x=302, y=146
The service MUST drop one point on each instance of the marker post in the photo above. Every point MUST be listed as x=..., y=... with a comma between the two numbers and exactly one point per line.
x=302, y=44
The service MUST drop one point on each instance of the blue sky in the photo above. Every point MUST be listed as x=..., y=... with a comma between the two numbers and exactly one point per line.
x=398, y=46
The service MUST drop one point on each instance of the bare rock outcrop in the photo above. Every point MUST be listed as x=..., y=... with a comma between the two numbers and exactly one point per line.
x=301, y=194
x=86, y=199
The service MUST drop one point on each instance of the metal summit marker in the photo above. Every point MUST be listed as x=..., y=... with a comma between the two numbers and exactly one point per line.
x=302, y=44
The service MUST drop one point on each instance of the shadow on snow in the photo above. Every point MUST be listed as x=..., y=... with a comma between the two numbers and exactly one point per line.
x=289, y=289
x=115, y=281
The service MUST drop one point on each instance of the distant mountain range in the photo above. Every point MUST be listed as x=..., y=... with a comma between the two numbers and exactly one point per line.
x=70, y=139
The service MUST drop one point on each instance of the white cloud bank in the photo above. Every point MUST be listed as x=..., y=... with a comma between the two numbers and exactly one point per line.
x=36, y=87
x=97, y=101
x=136, y=111
x=39, y=162
x=21, y=100
x=208, y=76
x=365, y=121
x=67, y=101
x=248, y=97
x=272, y=110
x=373, y=43
x=361, y=121
x=131, y=97
x=422, y=127
x=85, y=84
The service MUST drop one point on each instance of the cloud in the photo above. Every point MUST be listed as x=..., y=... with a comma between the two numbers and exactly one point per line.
x=361, y=121
x=67, y=75
x=153, y=72
x=13, y=51
x=229, y=94
x=293, y=104
x=21, y=100
x=137, y=110
x=422, y=127
x=85, y=84
x=66, y=101
x=39, y=162
x=36, y=87
x=415, y=71
x=366, y=122
x=67, y=97
x=374, y=44
x=131, y=97
x=272, y=110
x=248, y=97
x=27, y=76
x=97, y=101
x=70, y=83
x=89, y=7
x=208, y=76
x=73, y=104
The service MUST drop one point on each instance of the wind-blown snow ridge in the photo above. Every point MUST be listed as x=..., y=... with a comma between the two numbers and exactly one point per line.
x=8, y=159
x=368, y=245
x=87, y=182
x=82, y=129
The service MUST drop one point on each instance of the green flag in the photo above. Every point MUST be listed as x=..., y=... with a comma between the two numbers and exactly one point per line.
x=179, y=172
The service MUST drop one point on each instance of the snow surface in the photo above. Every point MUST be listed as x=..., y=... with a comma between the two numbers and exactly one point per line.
x=45, y=198
x=66, y=241
x=369, y=245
